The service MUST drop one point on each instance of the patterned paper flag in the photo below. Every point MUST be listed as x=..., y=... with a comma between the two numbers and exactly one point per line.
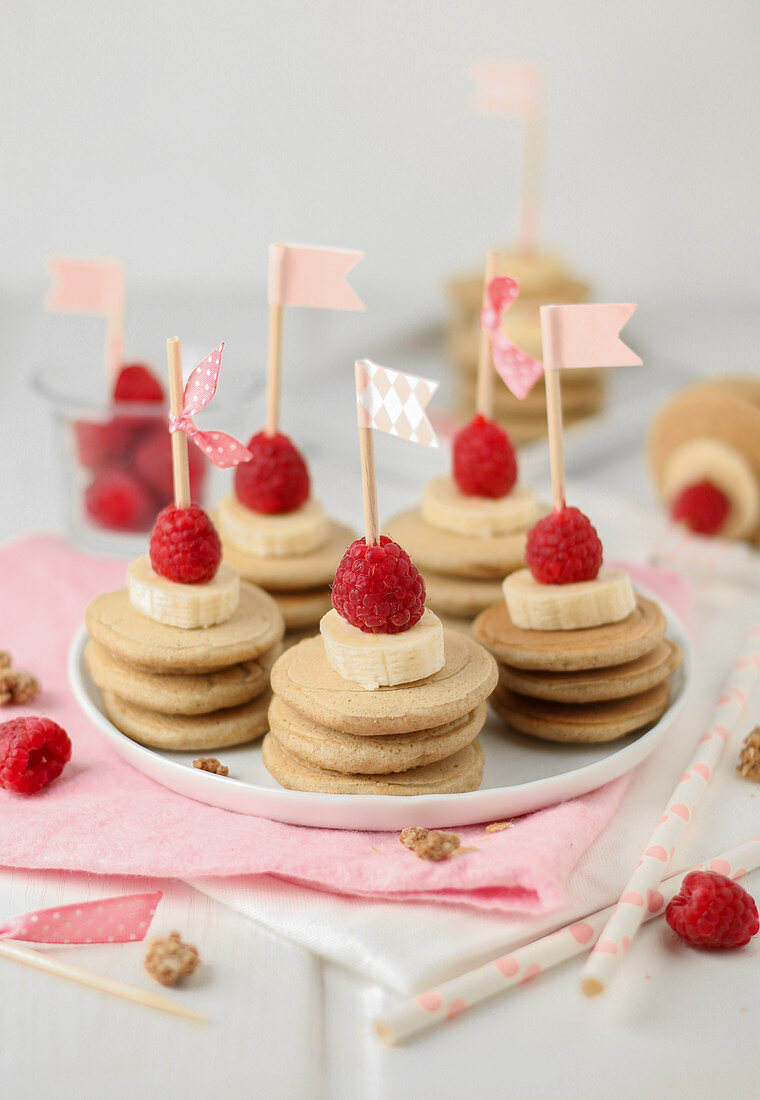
x=86, y=286
x=394, y=402
x=305, y=276
x=518, y=371
x=586, y=336
x=506, y=88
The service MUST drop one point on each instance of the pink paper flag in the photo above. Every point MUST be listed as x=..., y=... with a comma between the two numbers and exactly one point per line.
x=304, y=276
x=219, y=447
x=585, y=336
x=506, y=88
x=86, y=286
x=518, y=371
x=394, y=402
x=112, y=920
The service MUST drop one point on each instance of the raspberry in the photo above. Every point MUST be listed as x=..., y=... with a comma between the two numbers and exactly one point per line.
x=153, y=465
x=484, y=459
x=33, y=752
x=184, y=546
x=702, y=507
x=711, y=910
x=377, y=588
x=275, y=480
x=137, y=383
x=117, y=501
x=99, y=444
x=563, y=548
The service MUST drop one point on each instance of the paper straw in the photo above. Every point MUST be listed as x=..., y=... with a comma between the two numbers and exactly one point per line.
x=679, y=810
x=450, y=999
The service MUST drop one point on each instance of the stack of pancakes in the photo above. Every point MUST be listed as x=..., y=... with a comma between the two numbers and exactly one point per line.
x=463, y=573
x=171, y=688
x=329, y=735
x=589, y=685
x=543, y=281
x=299, y=584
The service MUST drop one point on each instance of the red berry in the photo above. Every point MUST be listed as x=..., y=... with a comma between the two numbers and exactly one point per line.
x=484, y=459
x=377, y=588
x=33, y=752
x=563, y=548
x=711, y=910
x=184, y=546
x=118, y=501
x=101, y=443
x=276, y=479
x=153, y=465
x=702, y=507
x=137, y=383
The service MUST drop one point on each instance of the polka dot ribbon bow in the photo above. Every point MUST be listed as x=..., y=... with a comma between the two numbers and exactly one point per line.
x=221, y=449
x=112, y=920
x=518, y=371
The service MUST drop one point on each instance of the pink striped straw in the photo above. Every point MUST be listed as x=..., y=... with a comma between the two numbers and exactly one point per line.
x=626, y=918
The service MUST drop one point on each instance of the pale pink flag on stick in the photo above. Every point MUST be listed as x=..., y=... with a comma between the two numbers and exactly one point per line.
x=300, y=275
x=586, y=336
x=506, y=88
x=86, y=286
x=393, y=402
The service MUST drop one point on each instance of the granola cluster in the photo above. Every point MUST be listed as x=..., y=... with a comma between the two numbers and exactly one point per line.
x=429, y=843
x=749, y=757
x=15, y=686
x=211, y=764
x=168, y=958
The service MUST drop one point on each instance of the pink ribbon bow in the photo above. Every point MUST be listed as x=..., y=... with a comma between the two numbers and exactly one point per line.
x=221, y=449
x=518, y=371
x=112, y=920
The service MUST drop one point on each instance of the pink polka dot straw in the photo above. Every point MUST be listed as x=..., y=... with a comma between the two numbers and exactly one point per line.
x=630, y=911
x=450, y=999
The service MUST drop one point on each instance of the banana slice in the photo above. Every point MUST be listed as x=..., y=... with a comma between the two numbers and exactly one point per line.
x=383, y=660
x=728, y=469
x=534, y=606
x=185, y=605
x=445, y=507
x=280, y=536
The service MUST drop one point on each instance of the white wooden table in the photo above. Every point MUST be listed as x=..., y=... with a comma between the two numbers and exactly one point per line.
x=283, y=1024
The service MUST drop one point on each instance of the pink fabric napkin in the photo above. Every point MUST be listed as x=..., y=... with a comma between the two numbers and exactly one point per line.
x=103, y=816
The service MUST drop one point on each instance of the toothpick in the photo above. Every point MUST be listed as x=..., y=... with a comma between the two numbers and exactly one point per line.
x=553, y=416
x=528, y=222
x=274, y=360
x=52, y=965
x=369, y=486
x=114, y=349
x=180, y=468
x=484, y=391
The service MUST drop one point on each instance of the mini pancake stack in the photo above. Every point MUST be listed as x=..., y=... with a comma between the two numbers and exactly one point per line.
x=275, y=535
x=543, y=280
x=355, y=712
x=582, y=662
x=470, y=530
x=184, y=665
x=709, y=434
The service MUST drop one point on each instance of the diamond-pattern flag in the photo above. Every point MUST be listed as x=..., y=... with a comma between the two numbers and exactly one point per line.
x=82, y=285
x=506, y=88
x=394, y=402
x=586, y=336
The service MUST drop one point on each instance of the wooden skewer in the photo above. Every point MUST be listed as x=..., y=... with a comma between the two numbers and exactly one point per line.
x=52, y=965
x=484, y=392
x=180, y=468
x=553, y=415
x=369, y=486
x=528, y=225
x=274, y=356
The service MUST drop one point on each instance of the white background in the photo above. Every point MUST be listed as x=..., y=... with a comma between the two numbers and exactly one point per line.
x=183, y=137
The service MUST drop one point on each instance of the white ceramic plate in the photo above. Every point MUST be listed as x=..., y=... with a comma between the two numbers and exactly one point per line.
x=521, y=773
